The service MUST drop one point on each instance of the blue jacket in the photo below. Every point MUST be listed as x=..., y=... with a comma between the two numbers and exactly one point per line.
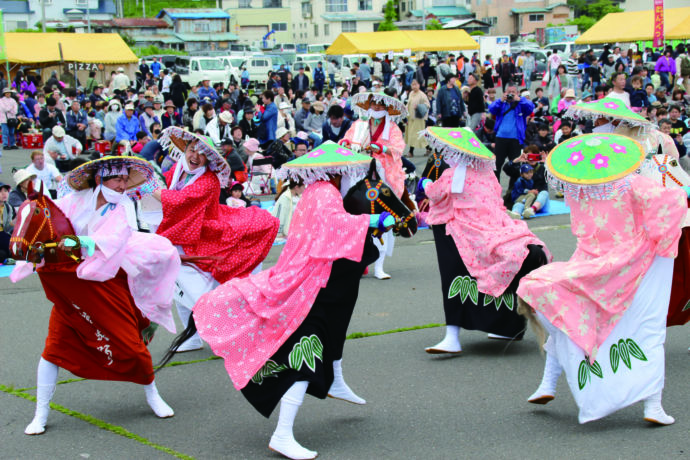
x=72, y=119
x=319, y=76
x=207, y=92
x=327, y=133
x=155, y=69
x=524, y=108
x=126, y=129
x=270, y=120
x=521, y=187
x=444, y=99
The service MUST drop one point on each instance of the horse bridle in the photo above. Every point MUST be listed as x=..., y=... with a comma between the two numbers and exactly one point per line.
x=663, y=169
x=40, y=247
x=372, y=195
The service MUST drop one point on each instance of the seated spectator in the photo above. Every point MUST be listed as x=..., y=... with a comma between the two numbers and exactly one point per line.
x=7, y=220
x=300, y=144
x=237, y=166
x=171, y=117
x=285, y=205
x=335, y=127
x=486, y=134
x=251, y=146
x=543, y=140
x=142, y=140
x=49, y=117
x=127, y=126
x=22, y=178
x=76, y=123
x=218, y=129
x=147, y=118
x=565, y=131
x=47, y=174
x=60, y=148
x=278, y=149
x=248, y=123
x=237, y=198
x=532, y=193
x=666, y=127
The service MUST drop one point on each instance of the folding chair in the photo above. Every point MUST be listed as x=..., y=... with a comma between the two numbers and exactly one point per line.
x=259, y=181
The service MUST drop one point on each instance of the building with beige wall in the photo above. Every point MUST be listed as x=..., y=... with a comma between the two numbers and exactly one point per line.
x=519, y=17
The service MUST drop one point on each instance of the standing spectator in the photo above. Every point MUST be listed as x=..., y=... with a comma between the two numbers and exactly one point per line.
x=269, y=118
x=528, y=66
x=156, y=68
x=505, y=69
x=178, y=92
x=319, y=77
x=666, y=68
x=300, y=82
x=558, y=83
x=554, y=60
x=144, y=70
x=127, y=126
x=619, y=92
x=365, y=75
x=419, y=74
x=475, y=102
x=336, y=126
x=449, y=104
x=76, y=123
x=418, y=112
x=511, y=114
x=573, y=70
x=91, y=83
x=165, y=84
x=7, y=219
x=387, y=71
x=683, y=68
x=120, y=80
x=377, y=68
x=8, y=118
x=332, y=69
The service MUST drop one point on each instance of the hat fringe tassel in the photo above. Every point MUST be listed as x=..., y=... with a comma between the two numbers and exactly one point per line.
x=309, y=175
x=456, y=157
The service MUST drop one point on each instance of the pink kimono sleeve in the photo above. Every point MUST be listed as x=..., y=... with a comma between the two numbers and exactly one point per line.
x=111, y=236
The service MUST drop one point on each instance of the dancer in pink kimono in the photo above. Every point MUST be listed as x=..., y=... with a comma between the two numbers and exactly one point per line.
x=605, y=309
x=94, y=332
x=482, y=252
x=377, y=133
x=281, y=332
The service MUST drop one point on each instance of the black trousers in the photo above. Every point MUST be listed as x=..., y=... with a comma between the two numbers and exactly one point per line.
x=450, y=122
x=506, y=148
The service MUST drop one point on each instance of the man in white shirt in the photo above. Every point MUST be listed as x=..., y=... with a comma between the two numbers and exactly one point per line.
x=120, y=80
x=618, y=91
x=218, y=129
x=165, y=85
x=61, y=148
x=554, y=62
x=45, y=173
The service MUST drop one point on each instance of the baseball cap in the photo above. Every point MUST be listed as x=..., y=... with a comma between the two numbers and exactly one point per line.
x=525, y=168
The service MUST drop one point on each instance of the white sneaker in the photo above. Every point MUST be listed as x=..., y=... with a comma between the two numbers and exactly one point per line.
x=514, y=215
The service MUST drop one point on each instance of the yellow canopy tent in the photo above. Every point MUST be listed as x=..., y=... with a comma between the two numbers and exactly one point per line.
x=38, y=48
x=637, y=26
x=401, y=40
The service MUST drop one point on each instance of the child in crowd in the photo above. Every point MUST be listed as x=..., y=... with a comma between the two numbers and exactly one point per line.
x=638, y=97
x=237, y=198
x=530, y=193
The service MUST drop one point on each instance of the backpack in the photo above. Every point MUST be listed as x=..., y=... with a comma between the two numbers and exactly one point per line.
x=685, y=66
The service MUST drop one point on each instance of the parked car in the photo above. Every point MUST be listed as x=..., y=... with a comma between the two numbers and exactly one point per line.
x=347, y=61
x=565, y=49
x=193, y=68
x=258, y=68
x=283, y=47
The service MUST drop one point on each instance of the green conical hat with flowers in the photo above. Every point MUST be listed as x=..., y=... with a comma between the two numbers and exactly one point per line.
x=323, y=162
x=594, y=164
x=608, y=107
x=459, y=145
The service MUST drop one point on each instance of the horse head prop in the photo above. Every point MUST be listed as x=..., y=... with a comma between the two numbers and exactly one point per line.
x=666, y=170
x=372, y=195
x=40, y=226
x=435, y=166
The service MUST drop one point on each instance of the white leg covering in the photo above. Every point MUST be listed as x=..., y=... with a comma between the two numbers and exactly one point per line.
x=339, y=389
x=194, y=342
x=283, y=440
x=450, y=343
x=384, y=250
x=547, y=388
x=46, y=380
x=160, y=407
x=653, y=412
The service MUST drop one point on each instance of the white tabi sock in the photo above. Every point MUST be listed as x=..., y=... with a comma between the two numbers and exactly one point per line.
x=378, y=265
x=653, y=412
x=160, y=407
x=450, y=343
x=547, y=387
x=283, y=440
x=339, y=389
x=46, y=380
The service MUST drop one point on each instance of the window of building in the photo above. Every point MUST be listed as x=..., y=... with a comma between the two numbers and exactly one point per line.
x=316, y=30
x=273, y=3
x=403, y=5
x=245, y=4
x=336, y=6
x=326, y=29
x=349, y=26
x=306, y=10
x=364, y=5
x=536, y=17
x=202, y=26
x=490, y=20
x=442, y=3
x=279, y=26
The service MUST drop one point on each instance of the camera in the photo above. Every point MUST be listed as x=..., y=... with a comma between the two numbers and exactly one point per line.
x=533, y=157
x=510, y=97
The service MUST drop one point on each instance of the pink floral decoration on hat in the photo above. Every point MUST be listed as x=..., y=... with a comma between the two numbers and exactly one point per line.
x=455, y=134
x=575, y=158
x=474, y=142
x=343, y=152
x=611, y=105
x=619, y=148
x=600, y=161
x=316, y=153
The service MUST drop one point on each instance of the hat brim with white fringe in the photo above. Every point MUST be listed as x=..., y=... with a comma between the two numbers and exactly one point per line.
x=141, y=181
x=362, y=102
x=327, y=160
x=460, y=146
x=176, y=139
x=594, y=166
x=609, y=108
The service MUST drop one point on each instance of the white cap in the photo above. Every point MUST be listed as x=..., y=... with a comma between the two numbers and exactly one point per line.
x=58, y=131
x=280, y=132
x=225, y=117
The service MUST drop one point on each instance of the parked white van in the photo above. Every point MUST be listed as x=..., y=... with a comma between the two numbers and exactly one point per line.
x=258, y=68
x=192, y=68
x=346, y=64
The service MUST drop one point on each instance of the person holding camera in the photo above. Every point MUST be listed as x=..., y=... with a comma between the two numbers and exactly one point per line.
x=511, y=114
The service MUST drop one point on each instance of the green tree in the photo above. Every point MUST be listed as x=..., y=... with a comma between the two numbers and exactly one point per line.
x=583, y=22
x=579, y=7
x=434, y=24
x=389, y=16
x=601, y=8
x=476, y=33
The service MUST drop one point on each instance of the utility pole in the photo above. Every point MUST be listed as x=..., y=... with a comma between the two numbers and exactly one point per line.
x=43, y=16
x=88, y=19
x=423, y=16
x=143, y=8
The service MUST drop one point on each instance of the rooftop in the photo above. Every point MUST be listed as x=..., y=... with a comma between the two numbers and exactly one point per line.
x=194, y=13
x=443, y=11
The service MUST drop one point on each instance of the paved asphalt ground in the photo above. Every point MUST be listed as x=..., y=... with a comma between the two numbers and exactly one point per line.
x=418, y=406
